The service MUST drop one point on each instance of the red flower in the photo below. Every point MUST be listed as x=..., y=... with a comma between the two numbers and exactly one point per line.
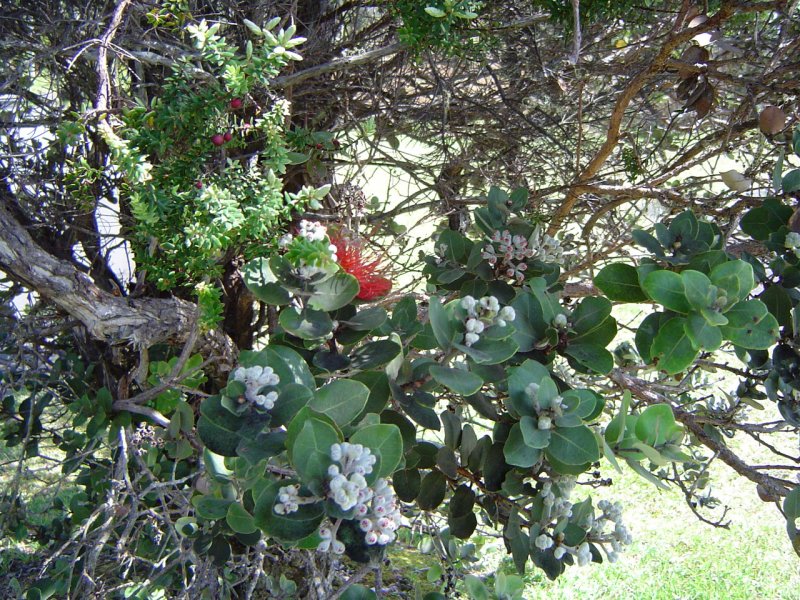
x=369, y=271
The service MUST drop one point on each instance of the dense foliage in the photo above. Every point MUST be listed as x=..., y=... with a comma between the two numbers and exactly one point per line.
x=206, y=331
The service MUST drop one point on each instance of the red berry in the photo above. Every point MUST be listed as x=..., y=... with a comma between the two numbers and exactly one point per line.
x=227, y=136
x=198, y=185
x=319, y=146
x=218, y=139
x=236, y=104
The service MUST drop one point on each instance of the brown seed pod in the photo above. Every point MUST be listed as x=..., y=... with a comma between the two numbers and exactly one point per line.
x=771, y=120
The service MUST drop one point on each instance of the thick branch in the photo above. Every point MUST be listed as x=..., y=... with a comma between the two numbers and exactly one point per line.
x=109, y=318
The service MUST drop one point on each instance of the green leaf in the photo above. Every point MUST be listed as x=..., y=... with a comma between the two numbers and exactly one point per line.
x=573, y=445
x=672, y=348
x=754, y=336
x=263, y=283
x=518, y=380
x=490, y=352
x=588, y=317
x=436, y=13
x=218, y=428
x=432, y=490
x=311, y=452
x=620, y=283
x=307, y=324
x=791, y=181
x=367, y=319
x=460, y=518
x=358, y=592
x=457, y=380
x=287, y=528
x=407, y=484
x=615, y=430
x=386, y=441
x=374, y=354
x=444, y=328
x=476, y=589
x=342, y=400
x=764, y=220
x=296, y=370
x=702, y=335
x=239, y=519
x=697, y=287
x=334, y=292
x=211, y=508
x=735, y=277
x=529, y=326
x=666, y=288
x=590, y=357
x=656, y=426
x=646, y=333
x=647, y=241
x=517, y=452
x=292, y=398
x=791, y=505
x=778, y=302
x=532, y=435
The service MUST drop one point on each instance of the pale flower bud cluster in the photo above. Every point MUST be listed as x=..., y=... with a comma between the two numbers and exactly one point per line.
x=557, y=507
x=288, y=499
x=620, y=535
x=511, y=252
x=145, y=435
x=347, y=486
x=793, y=242
x=256, y=378
x=313, y=231
x=384, y=516
x=547, y=414
x=483, y=313
x=329, y=542
x=508, y=253
x=376, y=508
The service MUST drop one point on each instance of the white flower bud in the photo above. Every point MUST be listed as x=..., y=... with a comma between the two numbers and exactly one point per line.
x=545, y=422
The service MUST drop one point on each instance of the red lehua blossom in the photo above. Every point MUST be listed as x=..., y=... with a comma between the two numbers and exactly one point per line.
x=369, y=271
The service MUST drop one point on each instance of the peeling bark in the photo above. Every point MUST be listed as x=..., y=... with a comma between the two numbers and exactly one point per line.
x=112, y=319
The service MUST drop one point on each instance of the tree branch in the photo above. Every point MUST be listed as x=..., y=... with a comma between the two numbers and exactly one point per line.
x=142, y=321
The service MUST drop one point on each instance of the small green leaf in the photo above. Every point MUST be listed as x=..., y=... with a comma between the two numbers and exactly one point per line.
x=307, y=324
x=517, y=452
x=334, y=292
x=656, y=426
x=573, y=445
x=697, y=287
x=458, y=380
x=342, y=400
x=666, y=288
x=735, y=277
x=384, y=439
x=620, y=283
x=432, y=490
x=239, y=519
x=436, y=13
x=311, y=451
x=672, y=348
x=702, y=335
x=444, y=328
